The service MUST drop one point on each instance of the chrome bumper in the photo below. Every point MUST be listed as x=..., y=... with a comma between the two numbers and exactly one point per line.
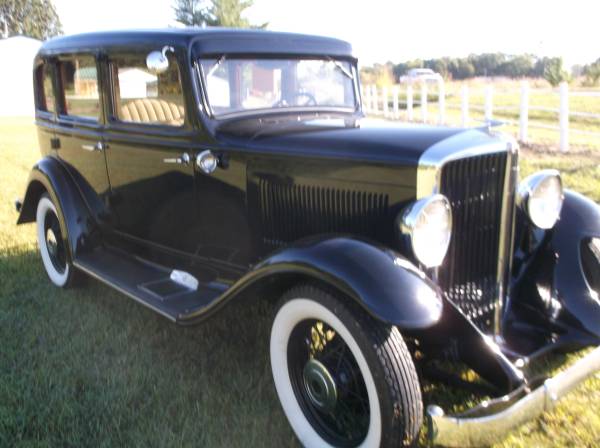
x=478, y=427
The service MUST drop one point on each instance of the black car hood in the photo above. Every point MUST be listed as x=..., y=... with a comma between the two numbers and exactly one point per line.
x=373, y=141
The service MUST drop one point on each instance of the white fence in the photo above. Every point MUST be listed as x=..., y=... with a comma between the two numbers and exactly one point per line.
x=377, y=102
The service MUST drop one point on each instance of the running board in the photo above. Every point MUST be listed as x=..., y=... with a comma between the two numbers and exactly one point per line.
x=154, y=286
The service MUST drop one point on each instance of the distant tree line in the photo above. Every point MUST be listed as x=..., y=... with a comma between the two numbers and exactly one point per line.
x=486, y=64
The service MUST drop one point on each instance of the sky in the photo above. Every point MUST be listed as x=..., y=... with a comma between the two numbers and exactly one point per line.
x=389, y=30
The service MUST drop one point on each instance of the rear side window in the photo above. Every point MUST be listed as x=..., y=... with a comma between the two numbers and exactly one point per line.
x=79, y=81
x=46, y=99
x=146, y=98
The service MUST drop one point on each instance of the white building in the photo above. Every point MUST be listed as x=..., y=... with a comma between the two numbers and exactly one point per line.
x=16, y=75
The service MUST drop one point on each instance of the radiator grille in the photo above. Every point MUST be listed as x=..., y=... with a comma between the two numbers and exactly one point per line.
x=289, y=212
x=474, y=187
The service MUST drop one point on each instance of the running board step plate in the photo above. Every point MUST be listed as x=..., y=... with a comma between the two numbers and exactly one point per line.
x=149, y=284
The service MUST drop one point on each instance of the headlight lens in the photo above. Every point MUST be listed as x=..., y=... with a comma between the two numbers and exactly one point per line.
x=427, y=223
x=541, y=194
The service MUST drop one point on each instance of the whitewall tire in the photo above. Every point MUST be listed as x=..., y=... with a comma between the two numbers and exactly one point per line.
x=343, y=379
x=52, y=243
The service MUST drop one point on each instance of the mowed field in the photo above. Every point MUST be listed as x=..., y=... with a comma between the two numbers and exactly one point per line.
x=90, y=367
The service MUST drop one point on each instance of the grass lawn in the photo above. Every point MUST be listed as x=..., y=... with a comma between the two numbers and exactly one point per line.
x=90, y=367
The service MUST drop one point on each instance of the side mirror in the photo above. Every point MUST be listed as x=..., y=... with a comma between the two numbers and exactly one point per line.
x=157, y=61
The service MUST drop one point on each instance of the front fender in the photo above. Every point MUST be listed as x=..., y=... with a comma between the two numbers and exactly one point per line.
x=387, y=285
x=551, y=290
x=77, y=222
x=580, y=221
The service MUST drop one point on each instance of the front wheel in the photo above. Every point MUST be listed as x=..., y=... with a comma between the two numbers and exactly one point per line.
x=343, y=378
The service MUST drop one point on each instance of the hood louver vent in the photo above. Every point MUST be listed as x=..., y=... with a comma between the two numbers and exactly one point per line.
x=291, y=212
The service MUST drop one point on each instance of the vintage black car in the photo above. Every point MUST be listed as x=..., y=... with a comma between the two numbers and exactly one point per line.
x=187, y=167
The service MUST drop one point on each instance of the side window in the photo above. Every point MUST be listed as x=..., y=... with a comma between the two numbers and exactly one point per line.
x=46, y=100
x=142, y=97
x=79, y=81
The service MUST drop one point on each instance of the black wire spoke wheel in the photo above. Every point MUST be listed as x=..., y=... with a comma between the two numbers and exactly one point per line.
x=328, y=383
x=343, y=378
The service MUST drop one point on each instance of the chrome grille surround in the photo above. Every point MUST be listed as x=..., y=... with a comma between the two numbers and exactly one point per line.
x=485, y=313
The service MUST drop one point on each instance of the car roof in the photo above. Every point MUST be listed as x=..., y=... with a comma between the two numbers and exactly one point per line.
x=202, y=41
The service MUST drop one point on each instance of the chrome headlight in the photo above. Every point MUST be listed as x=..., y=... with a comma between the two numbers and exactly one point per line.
x=541, y=197
x=427, y=223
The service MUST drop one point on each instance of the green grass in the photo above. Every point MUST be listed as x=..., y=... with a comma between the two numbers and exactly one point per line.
x=90, y=367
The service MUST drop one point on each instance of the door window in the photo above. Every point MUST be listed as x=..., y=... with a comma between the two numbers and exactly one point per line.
x=79, y=81
x=146, y=98
x=46, y=99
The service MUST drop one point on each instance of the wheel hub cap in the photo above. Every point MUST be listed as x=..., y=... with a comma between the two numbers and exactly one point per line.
x=320, y=386
x=51, y=242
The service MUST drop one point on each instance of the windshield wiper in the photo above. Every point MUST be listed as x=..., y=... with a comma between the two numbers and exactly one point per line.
x=341, y=67
x=215, y=66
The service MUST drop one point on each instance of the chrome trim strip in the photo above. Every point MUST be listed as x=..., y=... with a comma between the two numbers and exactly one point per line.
x=506, y=230
x=463, y=431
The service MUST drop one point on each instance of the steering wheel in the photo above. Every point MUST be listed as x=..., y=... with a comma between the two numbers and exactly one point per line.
x=310, y=100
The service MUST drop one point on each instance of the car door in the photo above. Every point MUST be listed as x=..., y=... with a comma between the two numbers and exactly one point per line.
x=80, y=123
x=150, y=153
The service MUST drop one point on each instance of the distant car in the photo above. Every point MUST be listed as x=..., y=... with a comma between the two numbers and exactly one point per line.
x=420, y=75
x=191, y=168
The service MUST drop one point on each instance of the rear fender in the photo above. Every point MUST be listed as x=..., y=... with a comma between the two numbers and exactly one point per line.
x=77, y=222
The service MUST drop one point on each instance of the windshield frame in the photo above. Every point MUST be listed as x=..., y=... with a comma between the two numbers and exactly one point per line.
x=205, y=102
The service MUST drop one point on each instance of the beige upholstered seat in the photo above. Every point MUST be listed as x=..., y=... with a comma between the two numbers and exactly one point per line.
x=151, y=110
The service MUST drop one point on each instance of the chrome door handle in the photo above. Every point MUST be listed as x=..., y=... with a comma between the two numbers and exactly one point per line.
x=184, y=159
x=99, y=146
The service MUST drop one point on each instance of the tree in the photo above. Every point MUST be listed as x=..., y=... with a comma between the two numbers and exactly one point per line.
x=487, y=64
x=461, y=68
x=517, y=66
x=192, y=12
x=33, y=18
x=554, y=72
x=226, y=13
x=592, y=73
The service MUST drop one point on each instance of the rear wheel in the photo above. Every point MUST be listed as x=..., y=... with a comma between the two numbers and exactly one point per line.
x=343, y=378
x=52, y=243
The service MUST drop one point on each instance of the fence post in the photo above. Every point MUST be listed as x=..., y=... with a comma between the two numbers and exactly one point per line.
x=524, y=115
x=489, y=105
x=374, y=99
x=465, y=106
x=409, y=102
x=441, y=101
x=384, y=101
x=424, y=101
x=395, y=108
x=564, y=116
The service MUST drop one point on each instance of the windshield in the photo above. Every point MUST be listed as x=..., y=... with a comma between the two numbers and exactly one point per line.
x=236, y=85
